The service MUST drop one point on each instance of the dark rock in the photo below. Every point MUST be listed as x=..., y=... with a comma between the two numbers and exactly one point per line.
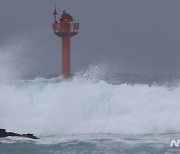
x=3, y=134
x=30, y=136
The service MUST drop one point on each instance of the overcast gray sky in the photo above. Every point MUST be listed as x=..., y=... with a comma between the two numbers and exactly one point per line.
x=129, y=36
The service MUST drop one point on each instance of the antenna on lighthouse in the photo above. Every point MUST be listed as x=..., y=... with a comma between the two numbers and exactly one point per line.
x=55, y=14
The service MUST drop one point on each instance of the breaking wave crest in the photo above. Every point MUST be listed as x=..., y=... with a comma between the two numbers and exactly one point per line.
x=79, y=106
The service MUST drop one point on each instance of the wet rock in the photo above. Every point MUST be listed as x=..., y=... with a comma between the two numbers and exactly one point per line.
x=3, y=134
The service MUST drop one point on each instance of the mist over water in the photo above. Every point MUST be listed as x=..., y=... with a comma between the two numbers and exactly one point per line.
x=81, y=106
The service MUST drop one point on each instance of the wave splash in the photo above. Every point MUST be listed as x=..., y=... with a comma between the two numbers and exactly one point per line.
x=47, y=107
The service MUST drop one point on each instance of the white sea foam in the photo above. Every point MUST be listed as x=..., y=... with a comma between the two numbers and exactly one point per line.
x=82, y=107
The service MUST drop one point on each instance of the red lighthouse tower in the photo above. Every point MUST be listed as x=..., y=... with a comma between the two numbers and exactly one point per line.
x=65, y=29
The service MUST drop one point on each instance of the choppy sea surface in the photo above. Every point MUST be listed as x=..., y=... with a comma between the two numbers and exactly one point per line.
x=117, y=114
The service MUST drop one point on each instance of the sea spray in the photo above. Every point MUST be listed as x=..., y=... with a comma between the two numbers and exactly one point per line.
x=79, y=106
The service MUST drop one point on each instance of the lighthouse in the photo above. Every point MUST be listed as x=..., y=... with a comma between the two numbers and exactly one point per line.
x=65, y=29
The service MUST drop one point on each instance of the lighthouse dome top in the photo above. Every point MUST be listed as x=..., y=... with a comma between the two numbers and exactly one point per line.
x=66, y=17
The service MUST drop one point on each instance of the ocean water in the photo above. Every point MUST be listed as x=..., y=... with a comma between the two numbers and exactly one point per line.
x=118, y=114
